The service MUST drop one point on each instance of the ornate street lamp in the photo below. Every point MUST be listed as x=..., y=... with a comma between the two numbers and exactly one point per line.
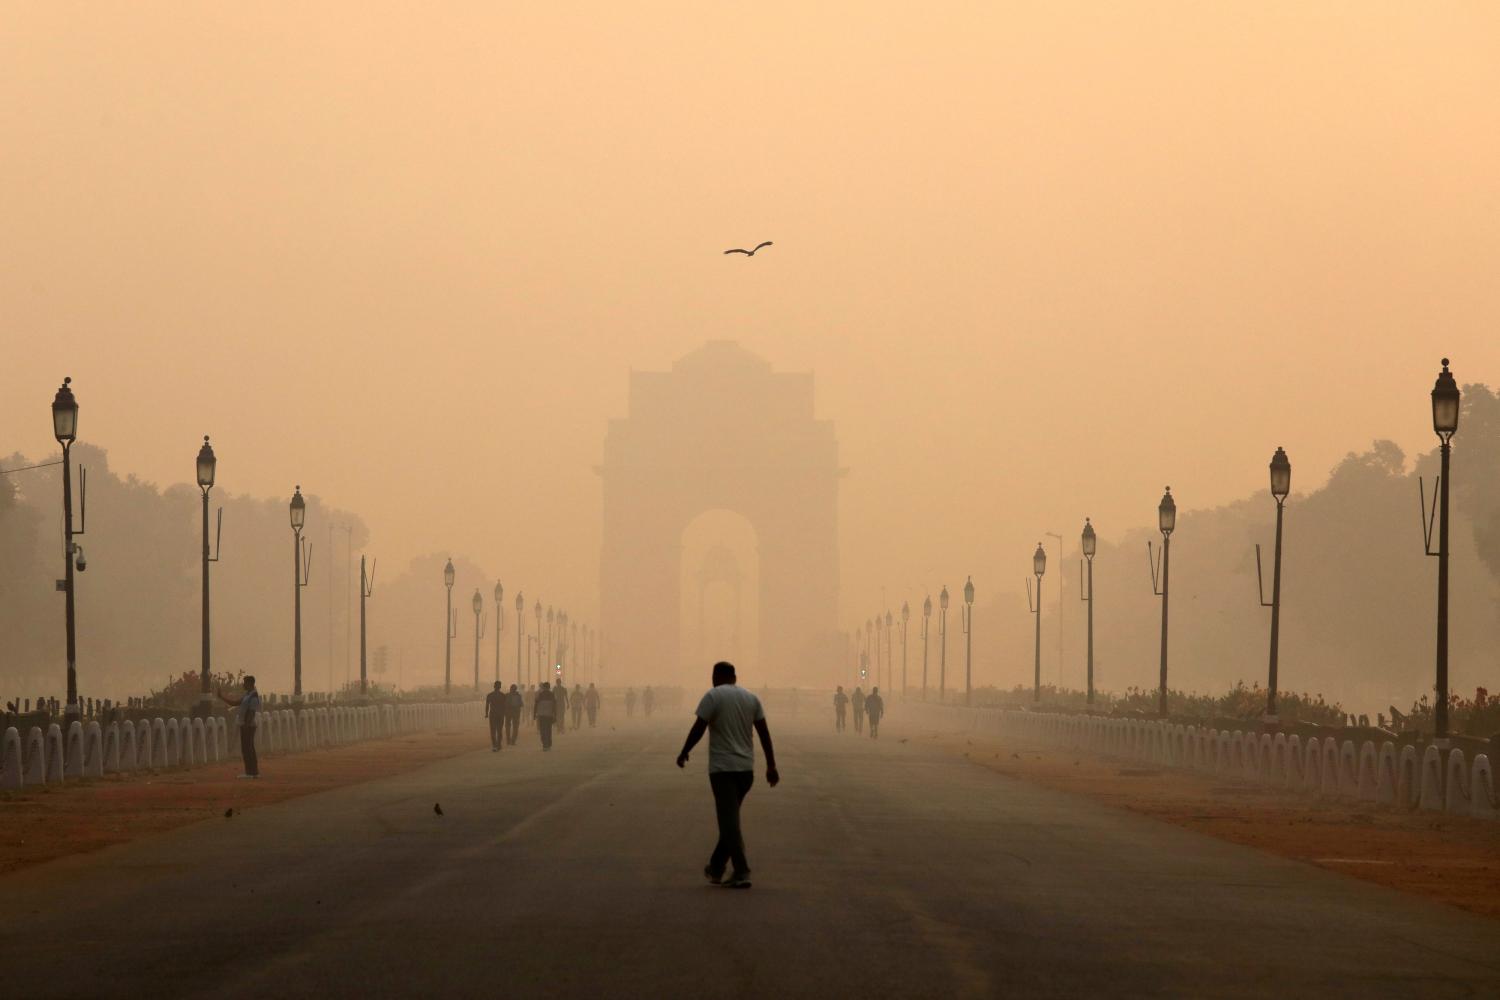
x=301, y=567
x=65, y=429
x=905, y=618
x=889, y=621
x=450, y=630
x=366, y=591
x=539, y=650
x=477, y=603
x=207, y=466
x=1089, y=545
x=926, y=620
x=967, y=612
x=1166, y=520
x=943, y=646
x=1281, y=486
x=1038, y=567
x=520, y=632
x=1445, y=409
x=499, y=624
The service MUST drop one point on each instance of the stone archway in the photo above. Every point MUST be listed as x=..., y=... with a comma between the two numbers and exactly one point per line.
x=720, y=430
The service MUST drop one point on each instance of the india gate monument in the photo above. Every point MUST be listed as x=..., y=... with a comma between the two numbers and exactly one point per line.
x=720, y=536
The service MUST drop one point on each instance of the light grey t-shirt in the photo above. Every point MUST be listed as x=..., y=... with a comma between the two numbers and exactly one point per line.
x=731, y=713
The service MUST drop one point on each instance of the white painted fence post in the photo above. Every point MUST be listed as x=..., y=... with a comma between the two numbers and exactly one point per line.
x=73, y=755
x=55, y=751
x=93, y=751
x=10, y=758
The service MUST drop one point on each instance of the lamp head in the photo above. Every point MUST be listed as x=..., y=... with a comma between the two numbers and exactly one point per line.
x=477, y=603
x=1445, y=398
x=298, y=510
x=448, y=574
x=943, y=598
x=1166, y=513
x=905, y=611
x=499, y=592
x=969, y=591
x=1281, y=475
x=1039, y=560
x=1090, y=541
x=65, y=414
x=206, y=464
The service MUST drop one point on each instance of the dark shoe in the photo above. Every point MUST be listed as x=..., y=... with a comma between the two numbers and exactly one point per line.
x=713, y=877
x=737, y=880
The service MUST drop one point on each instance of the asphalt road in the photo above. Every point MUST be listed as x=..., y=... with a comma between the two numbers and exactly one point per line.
x=882, y=869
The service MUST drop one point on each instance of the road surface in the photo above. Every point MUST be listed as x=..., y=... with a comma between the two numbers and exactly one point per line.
x=882, y=869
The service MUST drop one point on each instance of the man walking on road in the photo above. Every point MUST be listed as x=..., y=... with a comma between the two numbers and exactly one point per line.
x=840, y=706
x=514, y=703
x=591, y=702
x=560, y=692
x=575, y=702
x=859, y=710
x=249, y=704
x=728, y=712
x=648, y=701
x=544, y=711
x=874, y=708
x=494, y=710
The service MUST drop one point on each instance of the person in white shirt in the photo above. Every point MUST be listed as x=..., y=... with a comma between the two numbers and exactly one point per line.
x=728, y=713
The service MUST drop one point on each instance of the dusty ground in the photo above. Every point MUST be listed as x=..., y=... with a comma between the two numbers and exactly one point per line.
x=1453, y=859
x=39, y=824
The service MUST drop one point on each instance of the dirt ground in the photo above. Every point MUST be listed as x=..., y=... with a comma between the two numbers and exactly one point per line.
x=53, y=821
x=1454, y=859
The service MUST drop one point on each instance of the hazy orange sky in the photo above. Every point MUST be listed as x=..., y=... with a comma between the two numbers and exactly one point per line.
x=1044, y=258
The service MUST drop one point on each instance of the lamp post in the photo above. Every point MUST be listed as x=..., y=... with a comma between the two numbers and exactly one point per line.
x=926, y=621
x=1053, y=534
x=65, y=429
x=889, y=621
x=499, y=624
x=551, y=627
x=530, y=678
x=1166, y=520
x=1089, y=545
x=301, y=567
x=1281, y=485
x=905, y=617
x=1445, y=407
x=450, y=630
x=477, y=603
x=366, y=590
x=207, y=465
x=520, y=632
x=943, y=646
x=967, y=612
x=1038, y=567
x=870, y=652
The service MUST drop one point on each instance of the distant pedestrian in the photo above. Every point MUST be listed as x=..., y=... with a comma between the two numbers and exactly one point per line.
x=728, y=712
x=249, y=718
x=648, y=701
x=630, y=703
x=560, y=692
x=575, y=705
x=528, y=699
x=494, y=710
x=840, y=709
x=514, y=703
x=544, y=711
x=859, y=710
x=874, y=708
x=591, y=704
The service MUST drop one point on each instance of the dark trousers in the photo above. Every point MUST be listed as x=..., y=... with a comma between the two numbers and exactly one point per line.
x=730, y=789
x=593, y=716
x=497, y=731
x=577, y=717
x=512, y=726
x=545, y=725
x=839, y=726
x=247, y=749
x=874, y=725
x=859, y=720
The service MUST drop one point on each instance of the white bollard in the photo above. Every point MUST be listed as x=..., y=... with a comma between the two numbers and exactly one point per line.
x=1348, y=786
x=1369, y=772
x=1432, y=779
x=93, y=751
x=1456, y=798
x=173, y=743
x=10, y=758
x=1386, y=783
x=1330, y=767
x=73, y=755
x=127, y=747
x=158, y=742
x=36, y=758
x=200, y=742
x=54, y=756
x=112, y=748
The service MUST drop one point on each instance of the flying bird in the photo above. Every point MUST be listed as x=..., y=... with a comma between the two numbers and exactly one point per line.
x=437, y=809
x=749, y=253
